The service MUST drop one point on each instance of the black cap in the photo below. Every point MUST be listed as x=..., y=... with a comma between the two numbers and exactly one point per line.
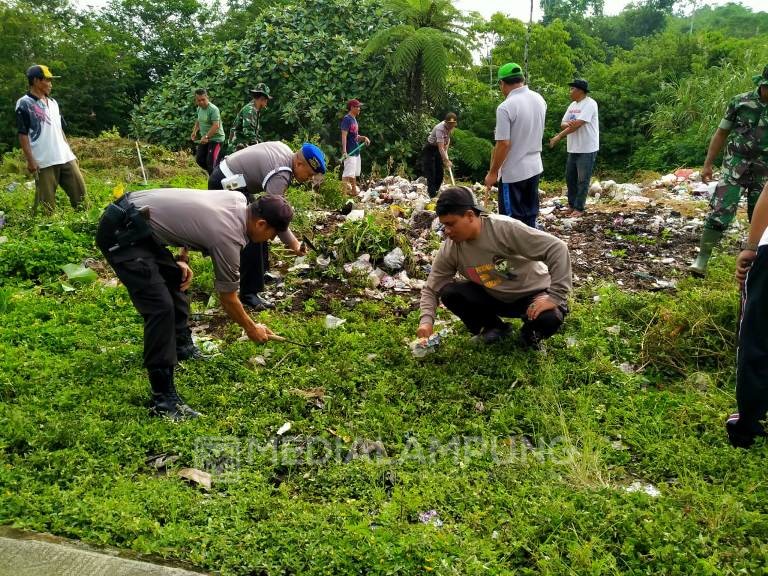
x=275, y=210
x=456, y=199
x=581, y=84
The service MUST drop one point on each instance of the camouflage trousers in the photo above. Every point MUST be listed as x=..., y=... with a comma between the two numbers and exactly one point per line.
x=738, y=176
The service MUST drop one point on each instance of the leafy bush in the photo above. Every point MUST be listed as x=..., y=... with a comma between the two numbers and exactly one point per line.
x=296, y=48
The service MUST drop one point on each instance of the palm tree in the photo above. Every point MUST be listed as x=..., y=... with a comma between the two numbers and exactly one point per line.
x=428, y=38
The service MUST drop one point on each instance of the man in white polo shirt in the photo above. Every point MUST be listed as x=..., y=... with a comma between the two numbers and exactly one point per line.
x=516, y=158
x=581, y=127
x=41, y=137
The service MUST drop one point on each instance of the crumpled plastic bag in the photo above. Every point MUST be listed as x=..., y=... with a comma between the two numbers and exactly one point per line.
x=332, y=322
x=395, y=259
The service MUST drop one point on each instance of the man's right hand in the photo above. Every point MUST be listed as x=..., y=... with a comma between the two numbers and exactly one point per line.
x=193, y=136
x=424, y=331
x=32, y=166
x=260, y=333
x=706, y=173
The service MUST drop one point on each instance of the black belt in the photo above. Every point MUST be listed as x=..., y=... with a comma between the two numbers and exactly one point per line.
x=130, y=225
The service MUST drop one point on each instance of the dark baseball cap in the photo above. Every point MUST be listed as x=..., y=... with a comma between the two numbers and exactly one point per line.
x=39, y=71
x=456, y=198
x=581, y=84
x=354, y=103
x=274, y=209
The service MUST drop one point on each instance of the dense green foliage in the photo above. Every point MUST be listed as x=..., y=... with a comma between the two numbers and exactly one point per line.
x=661, y=77
x=525, y=457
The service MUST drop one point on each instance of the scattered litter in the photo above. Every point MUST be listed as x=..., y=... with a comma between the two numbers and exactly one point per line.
x=258, y=361
x=649, y=489
x=332, y=322
x=323, y=261
x=615, y=329
x=421, y=347
x=284, y=428
x=160, y=462
x=315, y=396
x=627, y=368
x=395, y=259
x=300, y=264
x=360, y=266
x=207, y=344
x=355, y=215
x=375, y=277
x=3, y=239
x=430, y=517
x=2, y=218
x=197, y=477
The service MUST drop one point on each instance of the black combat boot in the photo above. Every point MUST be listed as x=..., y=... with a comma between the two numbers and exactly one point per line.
x=165, y=400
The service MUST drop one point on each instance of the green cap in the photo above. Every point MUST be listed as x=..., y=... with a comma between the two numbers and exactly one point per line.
x=510, y=70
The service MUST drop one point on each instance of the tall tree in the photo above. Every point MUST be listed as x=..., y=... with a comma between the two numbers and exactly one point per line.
x=429, y=37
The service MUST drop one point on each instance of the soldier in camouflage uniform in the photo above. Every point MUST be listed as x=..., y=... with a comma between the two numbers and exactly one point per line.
x=745, y=164
x=246, y=130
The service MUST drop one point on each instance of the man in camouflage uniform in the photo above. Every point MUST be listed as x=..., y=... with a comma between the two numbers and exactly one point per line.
x=246, y=130
x=745, y=164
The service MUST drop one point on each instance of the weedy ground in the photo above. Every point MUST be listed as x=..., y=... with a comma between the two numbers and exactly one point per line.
x=472, y=460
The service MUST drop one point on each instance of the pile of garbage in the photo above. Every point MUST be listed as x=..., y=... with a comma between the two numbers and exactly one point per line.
x=641, y=236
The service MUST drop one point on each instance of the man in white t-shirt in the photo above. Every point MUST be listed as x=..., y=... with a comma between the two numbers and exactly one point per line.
x=41, y=136
x=581, y=127
x=516, y=158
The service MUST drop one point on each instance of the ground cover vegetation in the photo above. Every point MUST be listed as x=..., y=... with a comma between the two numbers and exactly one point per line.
x=468, y=461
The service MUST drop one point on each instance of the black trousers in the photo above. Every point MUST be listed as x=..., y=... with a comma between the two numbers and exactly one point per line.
x=153, y=280
x=254, y=257
x=209, y=155
x=432, y=163
x=520, y=200
x=752, y=356
x=480, y=311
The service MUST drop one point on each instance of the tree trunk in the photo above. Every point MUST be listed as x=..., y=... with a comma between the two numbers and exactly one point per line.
x=416, y=87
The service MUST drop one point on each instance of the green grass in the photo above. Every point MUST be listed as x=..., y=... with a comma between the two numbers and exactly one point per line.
x=524, y=456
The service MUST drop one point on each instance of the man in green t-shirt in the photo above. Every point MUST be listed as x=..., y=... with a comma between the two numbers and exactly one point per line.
x=208, y=123
x=246, y=129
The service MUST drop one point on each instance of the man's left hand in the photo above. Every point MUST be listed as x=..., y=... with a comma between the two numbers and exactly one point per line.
x=186, y=275
x=743, y=263
x=540, y=304
x=490, y=180
x=553, y=141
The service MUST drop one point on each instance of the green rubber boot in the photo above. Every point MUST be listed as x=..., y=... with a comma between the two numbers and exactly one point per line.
x=709, y=239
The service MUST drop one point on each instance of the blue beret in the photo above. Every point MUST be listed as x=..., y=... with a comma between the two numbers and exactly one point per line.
x=314, y=157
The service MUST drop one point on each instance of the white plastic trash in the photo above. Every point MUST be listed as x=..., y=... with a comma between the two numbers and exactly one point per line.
x=332, y=322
